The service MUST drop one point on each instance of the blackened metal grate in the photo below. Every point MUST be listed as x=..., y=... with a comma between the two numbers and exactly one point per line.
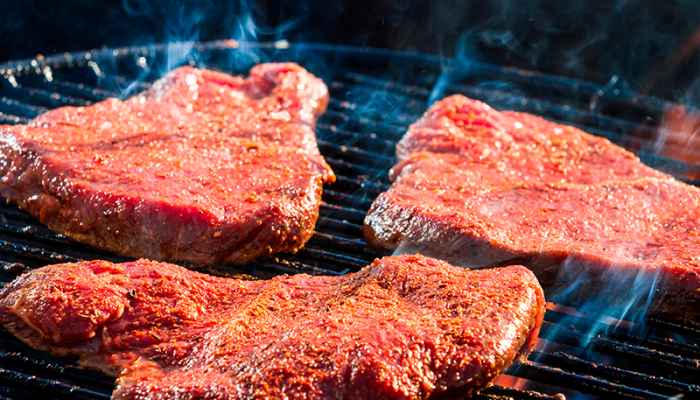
x=375, y=95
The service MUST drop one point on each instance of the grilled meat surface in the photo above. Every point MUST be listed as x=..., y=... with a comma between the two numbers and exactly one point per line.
x=204, y=167
x=482, y=188
x=406, y=327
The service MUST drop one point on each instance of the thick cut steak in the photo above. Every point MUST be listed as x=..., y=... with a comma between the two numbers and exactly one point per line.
x=480, y=188
x=204, y=167
x=406, y=327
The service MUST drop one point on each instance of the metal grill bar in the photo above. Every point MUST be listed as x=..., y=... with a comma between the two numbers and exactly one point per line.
x=341, y=167
x=356, y=186
x=353, y=154
x=651, y=358
x=582, y=383
x=668, y=345
x=504, y=393
x=32, y=253
x=362, y=140
x=339, y=226
x=14, y=107
x=8, y=119
x=628, y=378
x=392, y=108
x=90, y=94
x=345, y=213
x=337, y=116
x=44, y=98
x=45, y=387
x=353, y=263
x=284, y=267
x=18, y=359
x=333, y=196
x=413, y=91
x=31, y=232
x=356, y=246
x=676, y=327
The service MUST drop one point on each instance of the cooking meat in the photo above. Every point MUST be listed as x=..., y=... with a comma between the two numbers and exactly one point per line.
x=204, y=167
x=482, y=188
x=403, y=327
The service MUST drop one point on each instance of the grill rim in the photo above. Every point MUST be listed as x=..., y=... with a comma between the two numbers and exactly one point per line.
x=449, y=64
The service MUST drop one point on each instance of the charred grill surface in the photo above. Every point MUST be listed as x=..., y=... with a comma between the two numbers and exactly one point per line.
x=374, y=96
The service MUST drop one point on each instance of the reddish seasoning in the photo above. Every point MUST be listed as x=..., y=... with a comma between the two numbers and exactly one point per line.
x=203, y=167
x=405, y=327
x=479, y=188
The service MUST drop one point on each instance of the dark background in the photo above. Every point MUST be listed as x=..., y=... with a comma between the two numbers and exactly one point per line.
x=651, y=44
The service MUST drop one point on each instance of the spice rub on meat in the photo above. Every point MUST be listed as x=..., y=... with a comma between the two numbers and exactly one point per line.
x=480, y=188
x=204, y=167
x=406, y=327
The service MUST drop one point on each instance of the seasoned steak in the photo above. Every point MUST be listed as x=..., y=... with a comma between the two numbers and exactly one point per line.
x=405, y=327
x=204, y=167
x=481, y=188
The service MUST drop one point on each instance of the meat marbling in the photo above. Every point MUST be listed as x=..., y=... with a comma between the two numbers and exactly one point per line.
x=204, y=167
x=482, y=188
x=406, y=327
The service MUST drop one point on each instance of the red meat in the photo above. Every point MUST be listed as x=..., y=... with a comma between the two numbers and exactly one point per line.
x=204, y=167
x=482, y=188
x=405, y=327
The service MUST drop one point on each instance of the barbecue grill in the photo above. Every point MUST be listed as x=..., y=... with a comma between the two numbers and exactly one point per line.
x=375, y=95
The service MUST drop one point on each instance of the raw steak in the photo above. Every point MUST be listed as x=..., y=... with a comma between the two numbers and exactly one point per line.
x=481, y=188
x=405, y=327
x=204, y=167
